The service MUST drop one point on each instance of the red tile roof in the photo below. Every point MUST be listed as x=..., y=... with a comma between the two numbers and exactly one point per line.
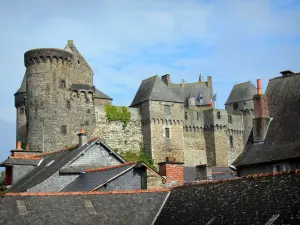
x=109, y=167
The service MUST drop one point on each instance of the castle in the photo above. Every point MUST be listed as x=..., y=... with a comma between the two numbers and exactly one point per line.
x=57, y=97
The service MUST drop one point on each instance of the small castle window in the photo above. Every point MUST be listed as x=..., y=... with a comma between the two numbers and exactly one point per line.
x=231, y=141
x=167, y=132
x=229, y=119
x=62, y=83
x=185, y=115
x=63, y=129
x=78, y=61
x=219, y=115
x=22, y=111
x=167, y=110
x=88, y=111
x=235, y=106
x=68, y=104
x=198, y=116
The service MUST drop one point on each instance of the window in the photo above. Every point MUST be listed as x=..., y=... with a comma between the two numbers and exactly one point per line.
x=62, y=83
x=219, y=115
x=229, y=119
x=167, y=110
x=78, y=61
x=235, y=106
x=49, y=163
x=198, y=116
x=22, y=111
x=185, y=115
x=68, y=104
x=88, y=111
x=231, y=141
x=280, y=168
x=167, y=132
x=63, y=129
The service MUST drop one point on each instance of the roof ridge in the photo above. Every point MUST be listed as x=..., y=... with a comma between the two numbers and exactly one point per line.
x=249, y=177
x=109, y=167
x=86, y=193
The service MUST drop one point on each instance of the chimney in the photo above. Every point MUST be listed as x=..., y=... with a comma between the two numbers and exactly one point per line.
x=201, y=79
x=182, y=83
x=166, y=78
x=173, y=171
x=19, y=145
x=204, y=172
x=82, y=137
x=262, y=117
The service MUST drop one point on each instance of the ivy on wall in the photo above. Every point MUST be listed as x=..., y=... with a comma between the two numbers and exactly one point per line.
x=117, y=113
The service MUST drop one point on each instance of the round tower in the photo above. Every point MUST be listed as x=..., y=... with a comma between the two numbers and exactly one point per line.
x=20, y=97
x=47, y=72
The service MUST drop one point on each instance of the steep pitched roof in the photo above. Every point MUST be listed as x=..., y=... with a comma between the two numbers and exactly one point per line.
x=282, y=138
x=247, y=200
x=101, y=95
x=22, y=89
x=241, y=92
x=192, y=90
x=154, y=89
x=118, y=208
x=95, y=178
x=53, y=162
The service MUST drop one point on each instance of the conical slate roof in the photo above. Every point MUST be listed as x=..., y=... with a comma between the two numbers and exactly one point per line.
x=154, y=89
x=22, y=89
x=241, y=92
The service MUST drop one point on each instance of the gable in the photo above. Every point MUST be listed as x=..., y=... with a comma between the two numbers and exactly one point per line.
x=98, y=155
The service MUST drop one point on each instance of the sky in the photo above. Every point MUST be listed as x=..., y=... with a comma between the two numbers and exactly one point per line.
x=125, y=42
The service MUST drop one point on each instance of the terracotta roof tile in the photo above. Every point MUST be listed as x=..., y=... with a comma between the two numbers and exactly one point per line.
x=109, y=167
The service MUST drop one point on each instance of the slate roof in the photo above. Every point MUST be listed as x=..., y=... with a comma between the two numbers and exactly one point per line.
x=22, y=89
x=19, y=161
x=58, y=159
x=92, y=179
x=117, y=208
x=247, y=200
x=282, y=138
x=241, y=92
x=192, y=90
x=101, y=95
x=154, y=89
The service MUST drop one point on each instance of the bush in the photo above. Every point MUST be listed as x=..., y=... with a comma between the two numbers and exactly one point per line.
x=117, y=113
x=140, y=156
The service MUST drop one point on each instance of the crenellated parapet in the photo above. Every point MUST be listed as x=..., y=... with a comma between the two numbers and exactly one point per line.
x=42, y=55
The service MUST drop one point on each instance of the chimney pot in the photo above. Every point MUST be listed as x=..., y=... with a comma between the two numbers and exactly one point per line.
x=19, y=145
x=70, y=42
x=259, y=86
x=82, y=137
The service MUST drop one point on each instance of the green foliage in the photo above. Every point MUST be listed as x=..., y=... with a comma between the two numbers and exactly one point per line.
x=117, y=113
x=140, y=156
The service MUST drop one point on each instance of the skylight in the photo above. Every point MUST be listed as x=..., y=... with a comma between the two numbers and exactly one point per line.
x=49, y=163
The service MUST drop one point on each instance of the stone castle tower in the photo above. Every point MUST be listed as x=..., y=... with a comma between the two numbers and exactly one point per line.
x=57, y=97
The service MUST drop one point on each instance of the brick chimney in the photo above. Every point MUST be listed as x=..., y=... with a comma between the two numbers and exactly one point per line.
x=261, y=112
x=173, y=171
x=166, y=78
x=82, y=137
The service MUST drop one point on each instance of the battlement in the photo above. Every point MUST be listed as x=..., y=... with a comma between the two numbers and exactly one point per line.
x=38, y=55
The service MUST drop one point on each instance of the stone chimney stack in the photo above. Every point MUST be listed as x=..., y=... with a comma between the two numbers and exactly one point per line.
x=262, y=116
x=173, y=172
x=82, y=137
x=166, y=78
x=204, y=172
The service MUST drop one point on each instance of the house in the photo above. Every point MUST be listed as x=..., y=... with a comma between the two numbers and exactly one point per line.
x=274, y=144
x=89, y=166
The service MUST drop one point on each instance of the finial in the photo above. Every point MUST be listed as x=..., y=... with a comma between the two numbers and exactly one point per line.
x=201, y=79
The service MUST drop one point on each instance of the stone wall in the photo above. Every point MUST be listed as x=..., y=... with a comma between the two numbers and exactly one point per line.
x=238, y=145
x=19, y=171
x=119, y=137
x=21, y=124
x=161, y=145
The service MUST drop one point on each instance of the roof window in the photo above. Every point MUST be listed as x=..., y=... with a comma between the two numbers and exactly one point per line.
x=49, y=163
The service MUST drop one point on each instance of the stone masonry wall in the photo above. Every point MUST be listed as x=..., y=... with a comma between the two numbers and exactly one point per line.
x=21, y=124
x=118, y=137
x=161, y=145
x=20, y=171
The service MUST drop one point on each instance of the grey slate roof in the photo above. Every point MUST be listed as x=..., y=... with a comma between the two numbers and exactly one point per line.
x=15, y=161
x=241, y=201
x=101, y=95
x=218, y=173
x=103, y=209
x=90, y=180
x=22, y=89
x=241, y=92
x=61, y=158
x=192, y=90
x=154, y=89
x=282, y=139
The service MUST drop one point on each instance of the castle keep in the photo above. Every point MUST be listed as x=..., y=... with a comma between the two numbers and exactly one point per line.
x=57, y=97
